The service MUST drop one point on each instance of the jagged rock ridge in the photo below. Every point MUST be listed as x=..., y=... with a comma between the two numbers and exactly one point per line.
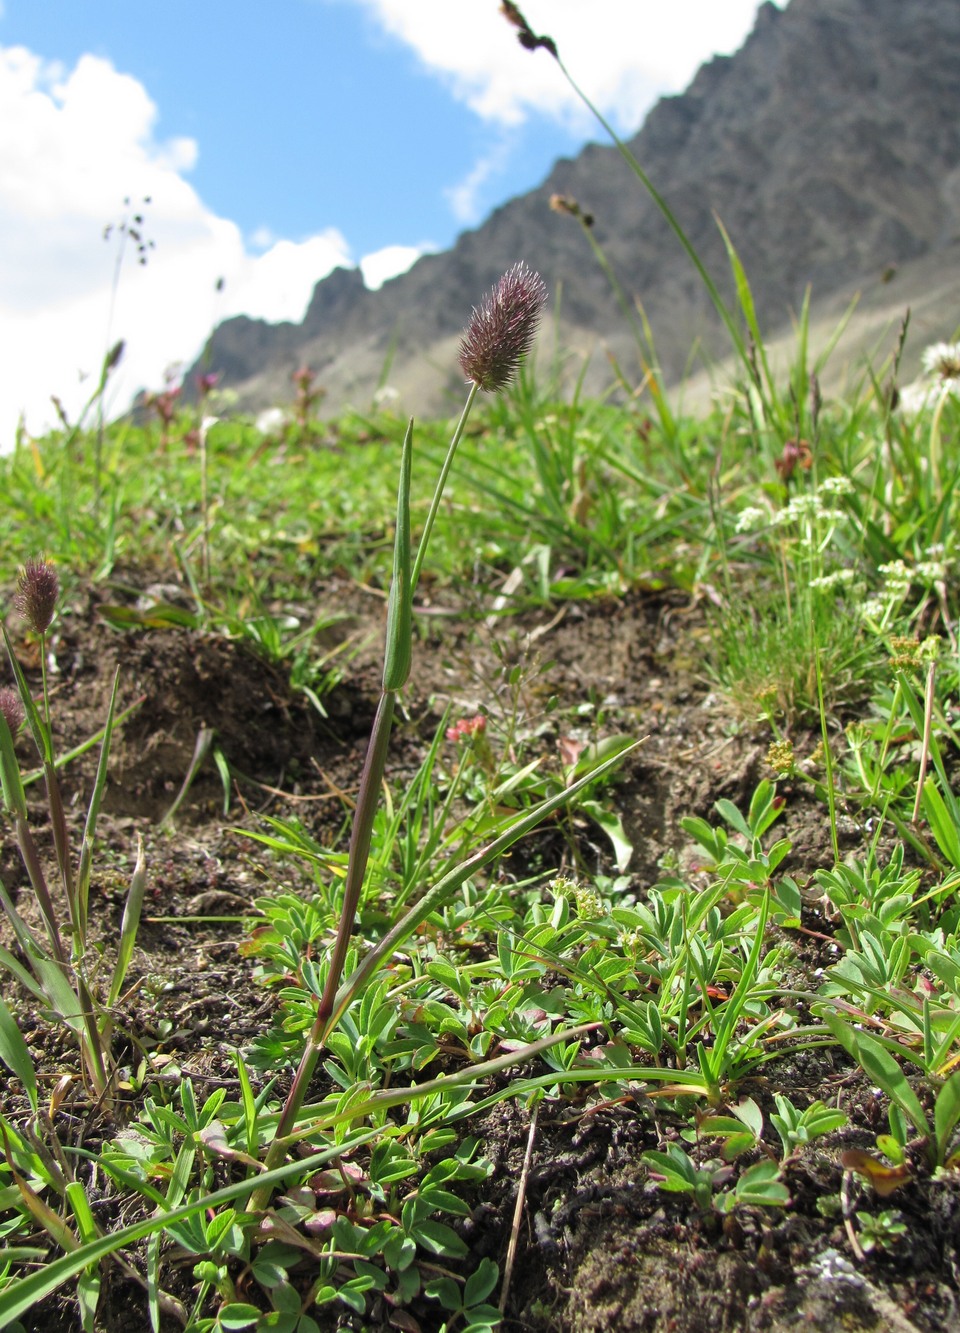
x=829, y=146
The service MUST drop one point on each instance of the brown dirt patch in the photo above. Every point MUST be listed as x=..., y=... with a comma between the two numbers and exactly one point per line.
x=600, y=1246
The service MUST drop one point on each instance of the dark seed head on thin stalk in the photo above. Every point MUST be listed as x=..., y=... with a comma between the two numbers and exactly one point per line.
x=113, y=357
x=12, y=708
x=502, y=329
x=565, y=203
x=38, y=588
x=525, y=34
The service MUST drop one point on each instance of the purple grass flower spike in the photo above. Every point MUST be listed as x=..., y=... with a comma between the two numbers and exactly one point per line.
x=502, y=329
x=11, y=708
x=38, y=588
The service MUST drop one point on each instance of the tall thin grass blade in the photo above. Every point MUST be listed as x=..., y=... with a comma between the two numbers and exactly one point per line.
x=399, y=649
x=749, y=311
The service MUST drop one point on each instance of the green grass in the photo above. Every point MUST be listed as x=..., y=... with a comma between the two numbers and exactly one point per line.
x=843, y=564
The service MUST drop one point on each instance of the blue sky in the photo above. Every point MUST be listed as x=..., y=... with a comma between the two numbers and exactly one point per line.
x=276, y=141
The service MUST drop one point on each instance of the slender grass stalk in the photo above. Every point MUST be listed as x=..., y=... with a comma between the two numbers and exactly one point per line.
x=639, y=327
x=31, y=860
x=494, y=342
x=532, y=42
x=360, y=837
x=441, y=483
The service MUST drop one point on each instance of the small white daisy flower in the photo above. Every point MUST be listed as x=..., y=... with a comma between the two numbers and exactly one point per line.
x=942, y=360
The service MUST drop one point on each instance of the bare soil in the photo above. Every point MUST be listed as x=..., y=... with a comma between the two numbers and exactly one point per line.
x=600, y=1246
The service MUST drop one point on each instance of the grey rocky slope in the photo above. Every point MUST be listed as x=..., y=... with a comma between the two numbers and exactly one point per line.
x=829, y=146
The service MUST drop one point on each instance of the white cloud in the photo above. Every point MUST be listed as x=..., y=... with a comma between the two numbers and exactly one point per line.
x=623, y=53
x=378, y=267
x=464, y=198
x=278, y=284
x=261, y=238
x=73, y=145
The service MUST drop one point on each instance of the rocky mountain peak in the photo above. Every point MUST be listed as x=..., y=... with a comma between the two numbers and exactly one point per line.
x=829, y=146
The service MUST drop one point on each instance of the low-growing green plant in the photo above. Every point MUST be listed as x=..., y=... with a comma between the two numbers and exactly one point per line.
x=737, y=1132
x=874, y=1057
x=880, y=1231
x=797, y=1128
x=744, y=861
x=757, y=1186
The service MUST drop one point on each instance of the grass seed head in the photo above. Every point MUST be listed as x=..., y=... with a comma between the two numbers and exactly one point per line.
x=12, y=708
x=565, y=203
x=525, y=34
x=38, y=588
x=502, y=329
x=113, y=357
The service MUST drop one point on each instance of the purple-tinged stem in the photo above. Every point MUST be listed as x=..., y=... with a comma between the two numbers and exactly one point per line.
x=31, y=860
x=360, y=837
x=61, y=844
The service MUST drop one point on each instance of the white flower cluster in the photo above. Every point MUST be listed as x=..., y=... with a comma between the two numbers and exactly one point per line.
x=839, y=578
x=751, y=518
x=802, y=507
x=873, y=609
x=896, y=578
x=836, y=486
x=808, y=507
